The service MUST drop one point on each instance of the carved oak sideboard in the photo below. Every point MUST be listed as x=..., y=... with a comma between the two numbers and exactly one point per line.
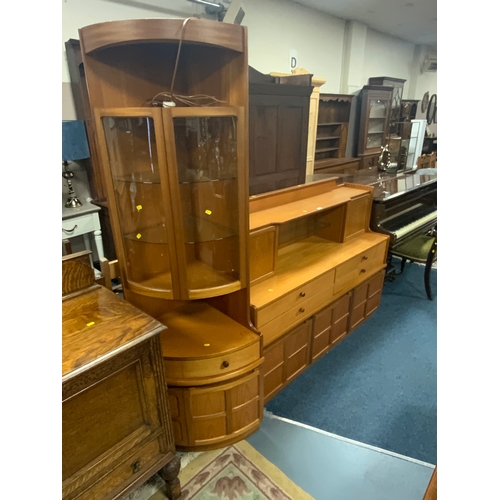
x=116, y=426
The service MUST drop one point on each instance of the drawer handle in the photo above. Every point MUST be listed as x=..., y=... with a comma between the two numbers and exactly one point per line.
x=365, y=257
x=225, y=364
x=362, y=271
x=136, y=466
x=302, y=294
x=302, y=310
x=67, y=231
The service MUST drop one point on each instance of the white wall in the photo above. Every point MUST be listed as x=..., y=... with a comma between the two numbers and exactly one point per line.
x=274, y=28
x=388, y=56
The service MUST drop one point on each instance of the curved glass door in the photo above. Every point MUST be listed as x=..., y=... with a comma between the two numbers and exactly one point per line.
x=207, y=156
x=140, y=203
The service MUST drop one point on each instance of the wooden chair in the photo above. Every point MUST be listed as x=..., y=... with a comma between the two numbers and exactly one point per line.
x=422, y=249
x=110, y=271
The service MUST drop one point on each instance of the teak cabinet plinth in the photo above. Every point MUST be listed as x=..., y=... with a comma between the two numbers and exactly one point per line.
x=320, y=277
x=176, y=180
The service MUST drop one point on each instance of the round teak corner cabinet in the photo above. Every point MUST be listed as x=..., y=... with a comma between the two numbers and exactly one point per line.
x=176, y=180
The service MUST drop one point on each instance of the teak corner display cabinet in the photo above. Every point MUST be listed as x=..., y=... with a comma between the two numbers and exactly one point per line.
x=177, y=186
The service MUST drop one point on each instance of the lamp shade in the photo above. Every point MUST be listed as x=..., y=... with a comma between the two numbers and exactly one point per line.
x=74, y=141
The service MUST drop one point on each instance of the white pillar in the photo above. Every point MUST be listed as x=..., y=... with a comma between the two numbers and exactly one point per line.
x=353, y=57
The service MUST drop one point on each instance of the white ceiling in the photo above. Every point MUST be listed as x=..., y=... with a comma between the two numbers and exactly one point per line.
x=411, y=20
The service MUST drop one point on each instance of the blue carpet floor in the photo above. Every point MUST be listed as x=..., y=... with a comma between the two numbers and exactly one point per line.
x=378, y=386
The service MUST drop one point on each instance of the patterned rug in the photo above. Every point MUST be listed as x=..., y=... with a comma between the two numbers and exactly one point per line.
x=237, y=472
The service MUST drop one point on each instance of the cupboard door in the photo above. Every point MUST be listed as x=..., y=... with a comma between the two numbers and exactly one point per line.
x=340, y=319
x=213, y=414
x=357, y=216
x=134, y=153
x=278, y=126
x=286, y=359
x=321, y=333
x=366, y=299
x=206, y=148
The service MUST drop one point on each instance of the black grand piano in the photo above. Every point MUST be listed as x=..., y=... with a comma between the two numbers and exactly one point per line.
x=404, y=205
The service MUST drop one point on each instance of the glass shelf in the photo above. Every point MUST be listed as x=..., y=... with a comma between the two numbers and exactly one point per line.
x=198, y=230
x=140, y=178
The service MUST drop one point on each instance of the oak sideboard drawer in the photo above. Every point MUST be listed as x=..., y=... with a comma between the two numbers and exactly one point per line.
x=293, y=299
x=124, y=473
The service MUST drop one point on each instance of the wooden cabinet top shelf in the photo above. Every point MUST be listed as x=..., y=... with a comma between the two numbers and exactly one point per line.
x=327, y=137
x=136, y=31
x=329, y=195
x=329, y=124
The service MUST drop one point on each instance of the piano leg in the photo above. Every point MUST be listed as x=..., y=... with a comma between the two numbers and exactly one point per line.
x=428, y=267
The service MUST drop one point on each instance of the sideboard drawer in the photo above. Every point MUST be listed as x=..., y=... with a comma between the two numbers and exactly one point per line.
x=273, y=329
x=210, y=367
x=77, y=226
x=124, y=473
x=349, y=273
x=294, y=299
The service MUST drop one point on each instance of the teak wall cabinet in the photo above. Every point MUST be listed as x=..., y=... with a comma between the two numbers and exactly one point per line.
x=250, y=290
x=321, y=276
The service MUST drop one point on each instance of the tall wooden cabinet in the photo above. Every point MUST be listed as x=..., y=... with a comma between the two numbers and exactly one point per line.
x=169, y=100
x=374, y=114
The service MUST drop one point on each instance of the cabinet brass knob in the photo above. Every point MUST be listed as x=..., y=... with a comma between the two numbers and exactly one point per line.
x=365, y=257
x=302, y=310
x=225, y=364
x=136, y=466
x=302, y=294
x=363, y=271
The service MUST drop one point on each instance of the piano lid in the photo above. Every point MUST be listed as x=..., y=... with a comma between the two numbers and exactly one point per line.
x=388, y=189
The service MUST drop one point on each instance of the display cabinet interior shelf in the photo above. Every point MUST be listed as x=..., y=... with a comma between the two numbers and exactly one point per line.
x=316, y=272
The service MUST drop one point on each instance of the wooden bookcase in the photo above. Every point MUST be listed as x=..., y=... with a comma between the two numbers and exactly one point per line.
x=320, y=275
x=333, y=125
x=331, y=137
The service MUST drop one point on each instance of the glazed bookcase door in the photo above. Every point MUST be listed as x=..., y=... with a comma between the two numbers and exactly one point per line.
x=378, y=110
x=205, y=150
x=139, y=196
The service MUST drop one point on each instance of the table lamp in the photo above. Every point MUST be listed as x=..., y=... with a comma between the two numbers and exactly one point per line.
x=74, y=147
